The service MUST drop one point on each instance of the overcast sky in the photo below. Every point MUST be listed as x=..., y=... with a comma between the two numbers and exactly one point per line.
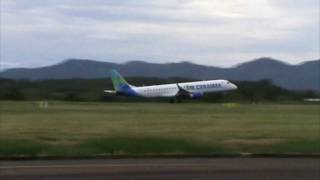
x=212, y=32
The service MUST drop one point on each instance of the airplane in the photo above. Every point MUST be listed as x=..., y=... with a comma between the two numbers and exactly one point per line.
x=175, y=91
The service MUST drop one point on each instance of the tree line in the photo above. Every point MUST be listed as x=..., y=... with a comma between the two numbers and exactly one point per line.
x=92, y=90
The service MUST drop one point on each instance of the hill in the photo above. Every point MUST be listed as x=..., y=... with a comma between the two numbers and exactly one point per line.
x=305, y=76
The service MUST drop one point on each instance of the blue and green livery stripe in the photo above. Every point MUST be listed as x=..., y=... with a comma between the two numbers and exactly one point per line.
x=121, y=85
x=118, y=81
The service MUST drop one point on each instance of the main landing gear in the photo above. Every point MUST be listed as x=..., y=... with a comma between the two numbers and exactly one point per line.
x=175, y=100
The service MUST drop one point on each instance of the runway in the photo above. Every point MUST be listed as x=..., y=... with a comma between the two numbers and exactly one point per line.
x=163, y=168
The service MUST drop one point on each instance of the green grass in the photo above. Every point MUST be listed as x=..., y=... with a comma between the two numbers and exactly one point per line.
x=89, y=129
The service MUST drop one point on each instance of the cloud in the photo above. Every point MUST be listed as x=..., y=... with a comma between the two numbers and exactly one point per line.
x=208, y=32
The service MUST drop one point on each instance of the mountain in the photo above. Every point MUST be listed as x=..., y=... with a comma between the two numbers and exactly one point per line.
x=305, y=76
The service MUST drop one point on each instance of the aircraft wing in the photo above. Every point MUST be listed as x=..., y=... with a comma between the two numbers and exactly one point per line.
x=182, y=92
x=187, y=94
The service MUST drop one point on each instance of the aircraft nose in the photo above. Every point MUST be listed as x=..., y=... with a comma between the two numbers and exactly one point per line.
x=233, y=86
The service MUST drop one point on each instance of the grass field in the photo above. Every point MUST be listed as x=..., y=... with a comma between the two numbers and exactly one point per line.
x=104, y=129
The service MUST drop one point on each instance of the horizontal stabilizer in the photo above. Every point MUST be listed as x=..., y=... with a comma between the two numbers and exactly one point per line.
x=110, y=91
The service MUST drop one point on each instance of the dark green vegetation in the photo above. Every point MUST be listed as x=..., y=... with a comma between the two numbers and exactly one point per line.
x=89, y=129
x=92, y=90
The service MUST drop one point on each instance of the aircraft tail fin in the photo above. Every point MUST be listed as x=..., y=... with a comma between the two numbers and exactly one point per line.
x=118, y=81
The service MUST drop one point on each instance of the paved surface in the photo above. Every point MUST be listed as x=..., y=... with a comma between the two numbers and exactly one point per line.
x=171, y=168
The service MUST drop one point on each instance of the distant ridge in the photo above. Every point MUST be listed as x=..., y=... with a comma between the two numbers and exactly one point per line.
x=305, y=76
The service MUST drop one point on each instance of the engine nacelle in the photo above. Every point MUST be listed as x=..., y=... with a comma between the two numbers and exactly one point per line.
x=196, y=95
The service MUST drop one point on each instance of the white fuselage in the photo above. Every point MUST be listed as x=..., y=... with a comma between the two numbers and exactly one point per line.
x=171, y=90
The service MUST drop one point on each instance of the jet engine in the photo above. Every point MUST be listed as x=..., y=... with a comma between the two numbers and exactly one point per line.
x=196, y=95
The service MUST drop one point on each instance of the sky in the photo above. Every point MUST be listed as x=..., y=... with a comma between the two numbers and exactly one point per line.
x=210, y=32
